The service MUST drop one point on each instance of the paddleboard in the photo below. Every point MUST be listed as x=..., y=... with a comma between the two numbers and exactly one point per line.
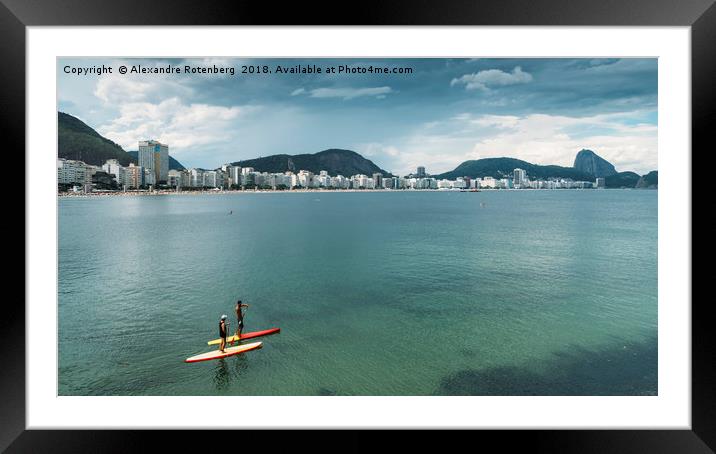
x=231, y=351
x=245, y=336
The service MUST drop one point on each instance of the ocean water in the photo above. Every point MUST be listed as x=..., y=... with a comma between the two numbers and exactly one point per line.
x=379, y=293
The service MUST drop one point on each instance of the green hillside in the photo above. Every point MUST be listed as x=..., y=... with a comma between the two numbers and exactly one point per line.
x=504, y=167
x=622, y=180
x=76, y=140
x=334, y=161
x=649, y=181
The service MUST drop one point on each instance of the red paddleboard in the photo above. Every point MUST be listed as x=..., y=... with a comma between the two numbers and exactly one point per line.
x=245, y=336
x=231, y=351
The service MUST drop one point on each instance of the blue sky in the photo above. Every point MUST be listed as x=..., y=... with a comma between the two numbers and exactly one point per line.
x=445, y=112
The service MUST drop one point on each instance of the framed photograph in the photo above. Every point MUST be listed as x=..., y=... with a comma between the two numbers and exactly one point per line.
x=417, y=217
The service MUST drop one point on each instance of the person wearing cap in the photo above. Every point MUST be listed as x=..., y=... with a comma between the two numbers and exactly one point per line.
x=222, y=333
x=239, y=318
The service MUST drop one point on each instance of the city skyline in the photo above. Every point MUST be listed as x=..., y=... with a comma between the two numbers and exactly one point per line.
x=78, y=174
x=445, y=112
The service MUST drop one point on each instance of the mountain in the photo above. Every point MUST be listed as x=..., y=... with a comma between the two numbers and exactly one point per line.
x=589, y=162
x=173, y=163
x=503, y=167
x=622, y=180
x=76, y=140
x=649, y=181
x=334, y=161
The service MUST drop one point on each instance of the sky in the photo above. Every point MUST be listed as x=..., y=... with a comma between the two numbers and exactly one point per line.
x=442, y=113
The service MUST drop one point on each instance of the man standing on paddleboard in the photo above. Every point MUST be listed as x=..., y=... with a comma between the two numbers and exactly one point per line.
x=239, y=318
x=222, y=333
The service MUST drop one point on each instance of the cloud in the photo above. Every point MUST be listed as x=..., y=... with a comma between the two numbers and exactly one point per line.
x=346, y=93
x=536, y=138
x=484, y=79
x=554, y=139
x=298, y=91
x=179, y=125
x=116, y=88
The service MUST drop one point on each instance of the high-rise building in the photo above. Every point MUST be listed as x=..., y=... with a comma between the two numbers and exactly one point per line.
x=134, y=175
x=421, y=172
x=174, y=178
x=233, y=174
x=149, y=178
x=210, y=179
x=377, y=180
x=69, y=171
x=112, y=167
x=601, y=183
x=155, y=157
x=519, y=178
x=305, y=178
x=488, y=182
x=197, y=178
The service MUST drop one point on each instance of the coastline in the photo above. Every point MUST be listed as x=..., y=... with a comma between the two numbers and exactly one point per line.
x=297, y=191
x=225, y=192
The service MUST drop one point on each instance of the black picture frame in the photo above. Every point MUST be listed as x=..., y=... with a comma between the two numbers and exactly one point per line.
x=700, y=15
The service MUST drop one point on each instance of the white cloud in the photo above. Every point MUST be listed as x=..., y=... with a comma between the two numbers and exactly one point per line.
x=298, y=91
x=214, y=61
x=553, y=139
x=538, y=138
x=347, y=92
x=179, y=125
x=487, y=78
x=112, y=89
x=495, y=121
x=117, y=88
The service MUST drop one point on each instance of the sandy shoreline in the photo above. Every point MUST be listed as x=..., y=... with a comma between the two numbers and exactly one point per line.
x=294, y=191
x=199, y=193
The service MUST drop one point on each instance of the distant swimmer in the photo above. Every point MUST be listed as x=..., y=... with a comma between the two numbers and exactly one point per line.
x=222, y=333
x=231, y=211
x=482, y=204
x=240, y=317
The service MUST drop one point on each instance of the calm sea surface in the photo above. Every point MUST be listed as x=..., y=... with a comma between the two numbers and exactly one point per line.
x=400, y=293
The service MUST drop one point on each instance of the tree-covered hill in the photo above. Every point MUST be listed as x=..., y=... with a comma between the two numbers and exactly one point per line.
x=504, y=167
x=76, y=140
x=334, y=161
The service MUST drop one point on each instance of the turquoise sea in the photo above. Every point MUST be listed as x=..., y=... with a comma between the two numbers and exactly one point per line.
x=376, y=293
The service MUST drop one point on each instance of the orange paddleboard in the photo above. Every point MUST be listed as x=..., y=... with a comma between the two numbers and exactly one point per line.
x=231, y=351
x=246, y=336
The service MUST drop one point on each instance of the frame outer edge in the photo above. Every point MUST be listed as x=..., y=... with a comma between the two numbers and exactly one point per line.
x=12, y=114
x=12, y=321
x=703, y=100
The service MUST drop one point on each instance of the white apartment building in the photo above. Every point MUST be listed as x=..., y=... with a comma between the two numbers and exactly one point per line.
x=114, y=168
x=70, y=171
x=488, y=182
x=174, y=178
x=197, y=178
x=234, y=175
x=305, y=178
x=210, y=179
x=134, y=175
